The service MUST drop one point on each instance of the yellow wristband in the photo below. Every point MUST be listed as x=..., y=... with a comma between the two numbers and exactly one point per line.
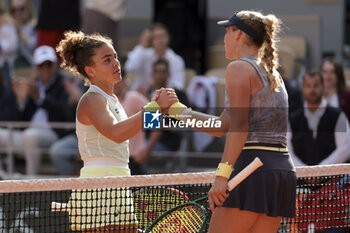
x=224, y=170
x=152, y=107
x=176, y=110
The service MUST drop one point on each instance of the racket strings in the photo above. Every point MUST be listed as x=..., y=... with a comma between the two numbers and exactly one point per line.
x=187, y=219
x=151, y=203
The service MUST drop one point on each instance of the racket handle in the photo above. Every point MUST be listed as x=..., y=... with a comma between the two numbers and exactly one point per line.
x=255, y=164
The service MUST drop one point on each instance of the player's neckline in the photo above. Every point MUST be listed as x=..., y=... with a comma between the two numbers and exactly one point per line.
x=253, y=58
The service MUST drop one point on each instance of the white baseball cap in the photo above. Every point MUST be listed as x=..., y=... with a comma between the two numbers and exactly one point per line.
x=44, y=53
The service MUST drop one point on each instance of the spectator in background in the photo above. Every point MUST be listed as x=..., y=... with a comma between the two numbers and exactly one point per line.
x=165, y=140
x=334, y=85
x=4, y=92
x=8, y=44
x=39, y=101
x=319, y=134
x=16, y=95
x=154, y=45
x=24, y=17
x=103, y=17
x=55, y=17
x=64, y=150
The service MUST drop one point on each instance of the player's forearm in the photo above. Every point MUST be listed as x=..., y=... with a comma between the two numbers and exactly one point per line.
x=340, y=155
x=126, y=129
x=342, y=140
x=233, y=146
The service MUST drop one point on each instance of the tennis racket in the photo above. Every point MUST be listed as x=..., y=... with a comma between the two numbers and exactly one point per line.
x=149, y=203
x=190, y=217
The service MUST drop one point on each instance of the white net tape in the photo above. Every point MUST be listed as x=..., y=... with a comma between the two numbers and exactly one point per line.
x=10, y=186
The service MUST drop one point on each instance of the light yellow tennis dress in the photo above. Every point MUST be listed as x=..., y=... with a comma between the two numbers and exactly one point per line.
x=96, y=208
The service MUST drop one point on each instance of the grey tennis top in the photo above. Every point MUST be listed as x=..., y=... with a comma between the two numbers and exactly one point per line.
x=268, y=111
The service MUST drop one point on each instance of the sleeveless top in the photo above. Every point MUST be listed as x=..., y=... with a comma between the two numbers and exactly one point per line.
x=268, y=112
x=92, y=143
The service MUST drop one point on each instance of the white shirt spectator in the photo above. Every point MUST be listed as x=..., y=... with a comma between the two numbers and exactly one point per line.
x=26, y=49
x=341, y=133
x=141, y=60
x=333, y=101
x=8, y=43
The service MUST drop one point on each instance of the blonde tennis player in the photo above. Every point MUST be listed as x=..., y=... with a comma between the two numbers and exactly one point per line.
x=103, y=130
x=255, y=120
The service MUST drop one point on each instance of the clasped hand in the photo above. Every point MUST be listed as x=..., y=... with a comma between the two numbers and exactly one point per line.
x=165, y=97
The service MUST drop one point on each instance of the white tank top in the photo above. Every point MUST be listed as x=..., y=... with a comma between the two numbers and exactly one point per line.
x=93, y=144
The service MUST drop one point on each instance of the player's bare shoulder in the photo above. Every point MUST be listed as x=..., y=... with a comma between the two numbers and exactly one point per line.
x=90, y=103
x=91, y=100
x=238, y=73
x=240, y=68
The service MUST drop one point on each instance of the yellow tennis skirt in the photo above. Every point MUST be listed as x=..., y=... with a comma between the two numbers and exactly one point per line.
x=96, y=208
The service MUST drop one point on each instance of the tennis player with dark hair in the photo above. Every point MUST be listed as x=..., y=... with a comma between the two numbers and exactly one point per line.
x=255, y=120
x=103, y=130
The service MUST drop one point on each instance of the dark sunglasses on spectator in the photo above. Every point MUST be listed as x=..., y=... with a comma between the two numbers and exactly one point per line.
x=20, y=9
x=46, y=64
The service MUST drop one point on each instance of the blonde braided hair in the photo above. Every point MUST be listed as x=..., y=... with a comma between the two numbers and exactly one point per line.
x=268, y=27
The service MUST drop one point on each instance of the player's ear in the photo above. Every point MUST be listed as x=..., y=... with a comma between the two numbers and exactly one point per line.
x=90, y=71
x=239, y=34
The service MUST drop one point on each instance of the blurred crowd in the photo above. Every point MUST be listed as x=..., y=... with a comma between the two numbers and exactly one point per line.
x=34, y=89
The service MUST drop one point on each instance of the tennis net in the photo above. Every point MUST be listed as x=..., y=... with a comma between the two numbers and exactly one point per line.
x=131, y=204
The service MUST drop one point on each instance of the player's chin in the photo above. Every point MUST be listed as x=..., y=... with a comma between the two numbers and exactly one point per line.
x=117, y=77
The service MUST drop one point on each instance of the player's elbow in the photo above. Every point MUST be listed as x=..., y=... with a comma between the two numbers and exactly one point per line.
x=119, y=141
x=119, y=137
x=219, y=134
x=222, y=130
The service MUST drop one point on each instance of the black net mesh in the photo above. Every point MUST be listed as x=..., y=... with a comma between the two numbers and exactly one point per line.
x=323, y=205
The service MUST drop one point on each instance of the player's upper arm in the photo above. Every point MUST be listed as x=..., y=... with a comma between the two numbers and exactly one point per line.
x=238, y=83
x=93, y=108
x=238, y=87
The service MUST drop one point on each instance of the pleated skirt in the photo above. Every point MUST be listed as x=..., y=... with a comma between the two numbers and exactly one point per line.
x=271, y=189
